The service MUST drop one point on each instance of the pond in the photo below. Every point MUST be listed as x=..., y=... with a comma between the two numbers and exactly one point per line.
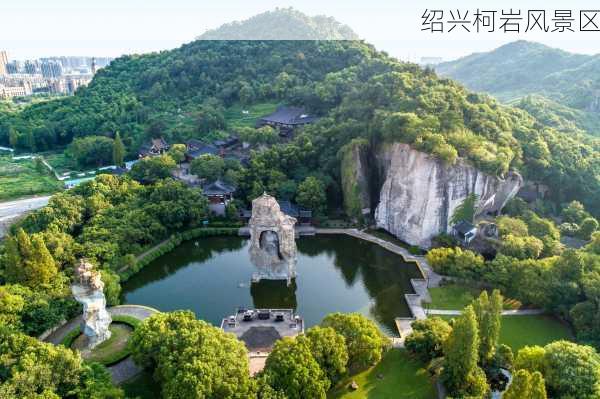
x=335, y=273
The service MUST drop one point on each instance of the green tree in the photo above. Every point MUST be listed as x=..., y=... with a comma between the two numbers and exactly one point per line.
x=292, y=369
x=572, y=370
x=329, y=350
x=428, y=337
x=177, y=152
x=461, y=374
x=587, y=228
x=28, y=261
x=91, y=150
x=152, y=169
x=364, y=341
x=574, y=213
x=191, y=358
x=488, y=312
x=508, y=225
x=33, y=369
x=531, y=358
x=527, y=247
x=538, y=386
x=311, y=195
x=13, y=137
x=520, y=386
x=264, y=135
x=208, y=166
x=118, y=150
x=465, y=210
x=112, y=288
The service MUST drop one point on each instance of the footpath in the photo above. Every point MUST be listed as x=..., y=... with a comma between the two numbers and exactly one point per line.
x=125, y=369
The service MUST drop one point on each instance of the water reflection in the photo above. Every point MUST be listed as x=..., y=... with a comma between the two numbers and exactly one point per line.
x=334, y=274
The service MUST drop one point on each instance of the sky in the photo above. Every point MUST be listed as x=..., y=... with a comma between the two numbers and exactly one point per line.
x=38, y=28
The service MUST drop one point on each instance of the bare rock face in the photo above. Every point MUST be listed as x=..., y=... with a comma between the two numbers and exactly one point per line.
x=272, y=240
x=420, y=193
x=89, y=292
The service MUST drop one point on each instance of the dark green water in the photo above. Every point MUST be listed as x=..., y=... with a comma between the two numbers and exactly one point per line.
x=335, y=274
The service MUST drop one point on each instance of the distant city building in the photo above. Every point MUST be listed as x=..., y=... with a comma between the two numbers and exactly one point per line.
x=14, y=67
x=73, y=82
x=7, y=92
x=431, y=60
x=3, y=62
x=51, y=69
x=31, y=67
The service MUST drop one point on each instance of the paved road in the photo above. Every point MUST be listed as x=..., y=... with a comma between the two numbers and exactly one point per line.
x=11, y=210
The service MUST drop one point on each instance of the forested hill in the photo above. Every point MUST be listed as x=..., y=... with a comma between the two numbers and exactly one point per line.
x=566, y=86
x=282, y=24
x=358, y=92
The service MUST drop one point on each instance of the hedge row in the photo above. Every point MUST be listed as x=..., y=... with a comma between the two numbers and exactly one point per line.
x=173, y=242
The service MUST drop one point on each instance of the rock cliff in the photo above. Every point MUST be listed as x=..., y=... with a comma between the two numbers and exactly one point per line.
x=355, y=179
x=420, y=193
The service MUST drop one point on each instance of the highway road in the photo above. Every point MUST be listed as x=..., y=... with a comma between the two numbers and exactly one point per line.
x=12, y=210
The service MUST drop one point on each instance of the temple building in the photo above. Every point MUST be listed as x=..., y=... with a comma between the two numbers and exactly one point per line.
x=286, y=119
x=153, y=148
x=219, y=194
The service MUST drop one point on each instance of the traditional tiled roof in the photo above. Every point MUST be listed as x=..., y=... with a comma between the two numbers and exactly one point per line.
x=463, y=227
x=218, y=187
x=289, y=116
x=203, y=150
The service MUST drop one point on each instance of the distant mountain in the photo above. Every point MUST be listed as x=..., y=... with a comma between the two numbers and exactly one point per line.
x=282, y=24
x=570, y=82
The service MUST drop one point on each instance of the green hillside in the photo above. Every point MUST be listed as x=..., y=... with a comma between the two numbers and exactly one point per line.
x=570, y=81
x=197, y=91
x=282, y=24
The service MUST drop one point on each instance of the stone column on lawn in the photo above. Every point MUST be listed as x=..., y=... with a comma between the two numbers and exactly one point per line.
x=88, y=290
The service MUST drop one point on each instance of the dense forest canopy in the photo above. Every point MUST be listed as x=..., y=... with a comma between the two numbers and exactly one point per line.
x=357, y=91
x=569, y=82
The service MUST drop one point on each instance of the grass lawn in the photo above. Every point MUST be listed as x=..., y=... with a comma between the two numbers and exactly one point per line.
x=141, y=386
x=20, y=178
x=60, y=162
x=110, y=351
x=451, y=297
x=519, y=331
x=235, y=118
x=403, y=378
x=456, y=297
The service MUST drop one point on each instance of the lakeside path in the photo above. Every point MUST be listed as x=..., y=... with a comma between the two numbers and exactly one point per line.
x=11, y=210
x=125, y=369
x=515, y=312
x=433, y=279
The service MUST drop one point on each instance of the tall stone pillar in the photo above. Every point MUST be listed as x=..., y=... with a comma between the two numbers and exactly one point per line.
x=88, y=290
x=272, y=241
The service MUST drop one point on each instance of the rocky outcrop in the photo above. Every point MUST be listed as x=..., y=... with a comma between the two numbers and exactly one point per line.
x=355, y=179
x=272, y=240
x=89, y=291
x=420, y=193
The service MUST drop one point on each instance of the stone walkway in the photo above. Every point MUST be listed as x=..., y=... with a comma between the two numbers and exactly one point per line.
x=524, y=312
x=125, y=369
x=420, y=286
